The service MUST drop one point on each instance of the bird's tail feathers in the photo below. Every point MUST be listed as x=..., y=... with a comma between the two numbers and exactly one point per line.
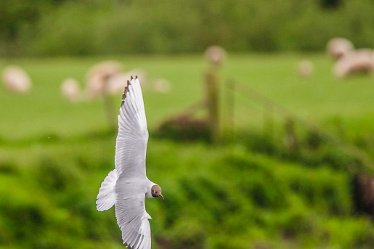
x=107, y=196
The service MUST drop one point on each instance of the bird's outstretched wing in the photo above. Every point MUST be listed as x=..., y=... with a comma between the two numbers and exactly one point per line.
x=132, y=138
x=133, y=222
x=131, y=145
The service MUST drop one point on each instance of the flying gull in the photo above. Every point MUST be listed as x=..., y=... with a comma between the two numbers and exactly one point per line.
x=127, y=186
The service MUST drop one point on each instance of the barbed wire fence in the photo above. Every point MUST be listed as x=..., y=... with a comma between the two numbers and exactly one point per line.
x=287, y=120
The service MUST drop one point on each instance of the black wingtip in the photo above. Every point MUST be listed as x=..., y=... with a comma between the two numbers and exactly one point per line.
x=125, y=91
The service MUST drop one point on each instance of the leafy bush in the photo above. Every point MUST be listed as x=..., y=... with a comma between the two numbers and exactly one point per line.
x=213, y=194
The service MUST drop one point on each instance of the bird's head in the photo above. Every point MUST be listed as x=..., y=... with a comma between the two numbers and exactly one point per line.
x=156, y=191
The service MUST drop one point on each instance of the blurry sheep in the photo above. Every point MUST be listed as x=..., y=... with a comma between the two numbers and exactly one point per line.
x=99, y=76
x=161, y=86
x=97, y=85
x=106, y=79
x=116, y=83
x=215, y=55
x=305, y=68
x=359, y=61
x=16, y=79
x=338, y=47
x=70, y=90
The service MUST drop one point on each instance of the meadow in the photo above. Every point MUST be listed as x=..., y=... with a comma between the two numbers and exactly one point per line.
x=246, y=193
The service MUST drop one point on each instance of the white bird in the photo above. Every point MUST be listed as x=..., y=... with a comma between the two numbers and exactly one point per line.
x=127, y=186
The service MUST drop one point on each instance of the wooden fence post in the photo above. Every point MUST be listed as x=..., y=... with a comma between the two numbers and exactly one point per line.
x=230, y=95
x=212, y=102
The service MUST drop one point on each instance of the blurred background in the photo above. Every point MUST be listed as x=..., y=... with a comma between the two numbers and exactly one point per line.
x=260, y=115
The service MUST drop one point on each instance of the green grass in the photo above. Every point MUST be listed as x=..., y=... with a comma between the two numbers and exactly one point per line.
x=248, y=193
x=45, y=110
x=319, y=98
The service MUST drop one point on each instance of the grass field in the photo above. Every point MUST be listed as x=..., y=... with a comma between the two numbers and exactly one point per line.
x=54, y=154
x=320, y=98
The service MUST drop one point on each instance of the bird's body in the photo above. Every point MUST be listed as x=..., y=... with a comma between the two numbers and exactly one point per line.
x=127, y=186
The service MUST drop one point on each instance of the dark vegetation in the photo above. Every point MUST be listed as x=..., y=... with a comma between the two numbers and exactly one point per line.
x=84, y=27
x=254, y=193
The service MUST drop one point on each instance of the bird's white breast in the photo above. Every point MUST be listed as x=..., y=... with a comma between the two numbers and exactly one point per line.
x=126, y=188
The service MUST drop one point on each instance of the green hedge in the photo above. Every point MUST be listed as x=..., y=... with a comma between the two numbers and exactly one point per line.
x=102, y=27
x=215, y=197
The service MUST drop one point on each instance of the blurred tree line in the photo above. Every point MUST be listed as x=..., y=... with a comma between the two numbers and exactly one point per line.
x=66, y=27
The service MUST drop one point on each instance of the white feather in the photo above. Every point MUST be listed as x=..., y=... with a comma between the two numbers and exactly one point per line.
x=107, y=197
